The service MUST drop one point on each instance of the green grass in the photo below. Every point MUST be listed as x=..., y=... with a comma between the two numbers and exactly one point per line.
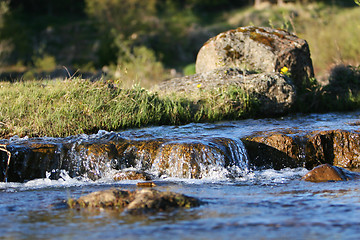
x=60, y=108
x=70, y=107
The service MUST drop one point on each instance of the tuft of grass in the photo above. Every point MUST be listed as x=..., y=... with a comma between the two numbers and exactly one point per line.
x=60, y=108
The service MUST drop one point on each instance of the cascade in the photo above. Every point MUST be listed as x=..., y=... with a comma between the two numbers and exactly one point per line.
x=93, y=158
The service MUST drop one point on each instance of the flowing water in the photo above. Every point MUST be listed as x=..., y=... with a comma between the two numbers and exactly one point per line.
x=240, y=203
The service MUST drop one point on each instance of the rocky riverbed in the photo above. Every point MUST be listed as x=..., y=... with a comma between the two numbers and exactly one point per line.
x=190, y=151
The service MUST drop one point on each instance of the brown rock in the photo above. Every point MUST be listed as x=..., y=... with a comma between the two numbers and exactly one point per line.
x=111, y=198
x=273, y=150
x=31, y=160
x=146, y=184
x=131, y=175
x=37, y=158
x=259, y=49
x=139, y=201
x=153, y=200
x=346, y=147
x=337, y=147
x=325, y=173
x=96, y=157
x=194, y=159
x=139, y=153
x=184, y=160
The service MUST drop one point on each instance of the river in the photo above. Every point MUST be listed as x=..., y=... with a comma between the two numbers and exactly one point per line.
x=253, y=204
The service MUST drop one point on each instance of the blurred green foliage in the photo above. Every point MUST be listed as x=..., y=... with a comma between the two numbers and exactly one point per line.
x=169, y=33
x=5, y=46
x=189, y=69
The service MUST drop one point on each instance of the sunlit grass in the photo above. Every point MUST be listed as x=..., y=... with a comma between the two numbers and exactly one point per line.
x=63, y=108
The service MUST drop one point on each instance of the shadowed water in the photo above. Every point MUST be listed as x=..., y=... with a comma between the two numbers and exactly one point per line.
x=265, y=204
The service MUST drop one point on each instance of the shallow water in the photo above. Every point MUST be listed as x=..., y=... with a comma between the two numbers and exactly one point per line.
x=265, y=204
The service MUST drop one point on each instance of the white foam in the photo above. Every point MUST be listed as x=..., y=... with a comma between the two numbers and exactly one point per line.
x=64, y=181
x=274, y=176
x=215, y=175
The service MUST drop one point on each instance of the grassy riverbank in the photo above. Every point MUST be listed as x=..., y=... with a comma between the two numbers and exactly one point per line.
x=68, y=107
x=63, y=108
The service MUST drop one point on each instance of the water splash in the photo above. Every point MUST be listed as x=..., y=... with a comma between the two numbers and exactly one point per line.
x=201, y=158
x=90, y=162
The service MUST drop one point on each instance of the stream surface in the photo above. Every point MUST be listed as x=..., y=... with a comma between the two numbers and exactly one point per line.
x=256, y=204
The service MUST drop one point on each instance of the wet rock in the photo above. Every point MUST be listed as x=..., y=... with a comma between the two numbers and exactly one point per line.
x=139, y=153
x=195, y=159
x=30, y=160
x=274, y=150
x=93, y=158
x=146, y=184
x=304, y=149
x=184, y=159
x=153, y=200
x=258, y=49
x=327, y=172
x=132, y=175
x=337, y=147
x=111, y=198
x=275, y=92
x=139, y=201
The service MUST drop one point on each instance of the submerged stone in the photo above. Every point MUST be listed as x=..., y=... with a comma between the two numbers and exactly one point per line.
x=152, y=200
x=132, y=175
x=111, y=198
x=146, y=184
x=138, y=201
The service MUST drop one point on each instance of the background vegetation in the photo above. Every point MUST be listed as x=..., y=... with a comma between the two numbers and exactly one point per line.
x=132, y=44
x=148, y=41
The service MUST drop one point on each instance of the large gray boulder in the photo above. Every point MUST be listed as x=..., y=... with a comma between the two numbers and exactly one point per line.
x=259, y=49
x=275, y=92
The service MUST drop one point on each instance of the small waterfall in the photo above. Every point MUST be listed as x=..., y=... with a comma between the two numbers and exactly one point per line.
x=201, y=158
x=97, y=157
x=89, y=164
